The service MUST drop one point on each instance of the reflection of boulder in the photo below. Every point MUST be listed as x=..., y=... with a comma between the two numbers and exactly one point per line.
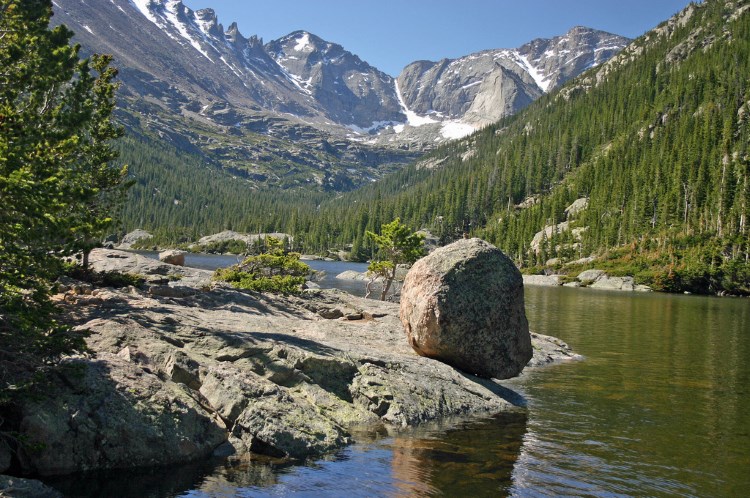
x=463, y=305
x=427, y=463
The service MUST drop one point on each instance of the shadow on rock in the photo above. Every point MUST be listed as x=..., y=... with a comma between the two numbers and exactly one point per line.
x=503, y=392
x=109, y=413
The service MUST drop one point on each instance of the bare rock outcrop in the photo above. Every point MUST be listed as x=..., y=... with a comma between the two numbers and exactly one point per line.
x=169, y=379
x=131, y=238
x=593, y=279
x=114, y=413
x=463, y=305
x=172, y=257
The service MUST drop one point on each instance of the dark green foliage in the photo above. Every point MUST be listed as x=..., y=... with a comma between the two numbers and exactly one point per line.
x=225, y=247
x=276, y=271
x=104, y=278
x=179, y=198
x=397, y=244
x=658, y=144
x=58, y=191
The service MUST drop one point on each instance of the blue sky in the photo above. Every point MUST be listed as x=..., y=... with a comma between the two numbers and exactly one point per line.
x=389, y=34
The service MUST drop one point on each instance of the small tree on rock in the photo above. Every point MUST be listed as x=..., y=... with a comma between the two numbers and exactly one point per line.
x=397, y=245
x=275, y=270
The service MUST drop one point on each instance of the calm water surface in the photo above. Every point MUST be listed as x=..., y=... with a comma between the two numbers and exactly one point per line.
x=659, y=407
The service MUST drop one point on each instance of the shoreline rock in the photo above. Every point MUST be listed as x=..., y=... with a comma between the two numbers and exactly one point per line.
x=592, y=279
x=132, y=237
x=173, y=257
x=463, y=305
x=26, y=488
x=170, y=378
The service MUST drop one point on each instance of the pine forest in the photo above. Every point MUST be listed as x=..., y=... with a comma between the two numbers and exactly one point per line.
x=656, y=141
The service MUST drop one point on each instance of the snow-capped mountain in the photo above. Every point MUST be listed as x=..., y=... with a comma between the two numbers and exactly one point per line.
x=481, y=88
x=188, y=79
x=351, y=91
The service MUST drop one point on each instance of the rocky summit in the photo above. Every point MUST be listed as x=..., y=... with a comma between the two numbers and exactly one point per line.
x=174, y=376
x=463, y=304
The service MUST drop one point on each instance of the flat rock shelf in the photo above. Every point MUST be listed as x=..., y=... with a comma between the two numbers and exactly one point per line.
x=174, y=375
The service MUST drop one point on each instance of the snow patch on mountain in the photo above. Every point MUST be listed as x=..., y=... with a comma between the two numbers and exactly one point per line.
x=377, y=125
x=412, y=118
x=303, y=43
x=203, y=25
x=541, y=80
x=171, y=15
x=453, y=130
x=469, y=85
x=143, y=8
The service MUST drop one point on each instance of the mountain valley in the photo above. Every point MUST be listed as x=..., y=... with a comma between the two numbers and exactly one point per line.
x=298, y=135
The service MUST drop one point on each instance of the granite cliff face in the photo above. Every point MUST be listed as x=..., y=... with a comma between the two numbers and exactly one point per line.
x=350, y=91
x=301, y=111
x=483, y=87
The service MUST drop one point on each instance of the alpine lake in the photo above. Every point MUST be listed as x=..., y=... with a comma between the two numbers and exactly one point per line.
x=660, y=406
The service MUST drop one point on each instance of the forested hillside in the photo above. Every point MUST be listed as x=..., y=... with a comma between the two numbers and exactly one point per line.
x=181, y=197
x=656, y=140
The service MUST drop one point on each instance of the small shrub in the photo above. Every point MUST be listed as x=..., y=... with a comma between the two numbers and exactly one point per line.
x=275, y=271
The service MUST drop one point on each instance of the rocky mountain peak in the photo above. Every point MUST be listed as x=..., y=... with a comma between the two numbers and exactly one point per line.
x=352, y=92
x=558, y=59
x=233, y=35
x=182, y=65
x=481, y=88
x=301, y=48
x=208, y=23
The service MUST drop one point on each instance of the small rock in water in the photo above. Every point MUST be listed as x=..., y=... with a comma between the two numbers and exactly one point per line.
x=172, y=257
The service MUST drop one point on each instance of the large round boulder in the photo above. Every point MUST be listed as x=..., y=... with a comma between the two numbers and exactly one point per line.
x=463, y=305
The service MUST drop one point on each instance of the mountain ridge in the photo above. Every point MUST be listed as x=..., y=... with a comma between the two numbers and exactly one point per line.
x=163, y=47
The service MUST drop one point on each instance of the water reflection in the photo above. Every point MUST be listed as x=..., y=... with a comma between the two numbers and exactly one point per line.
x=660, y=407
x=447, y=459
x=450, y=458
x=148, y=483
x=472, y=458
